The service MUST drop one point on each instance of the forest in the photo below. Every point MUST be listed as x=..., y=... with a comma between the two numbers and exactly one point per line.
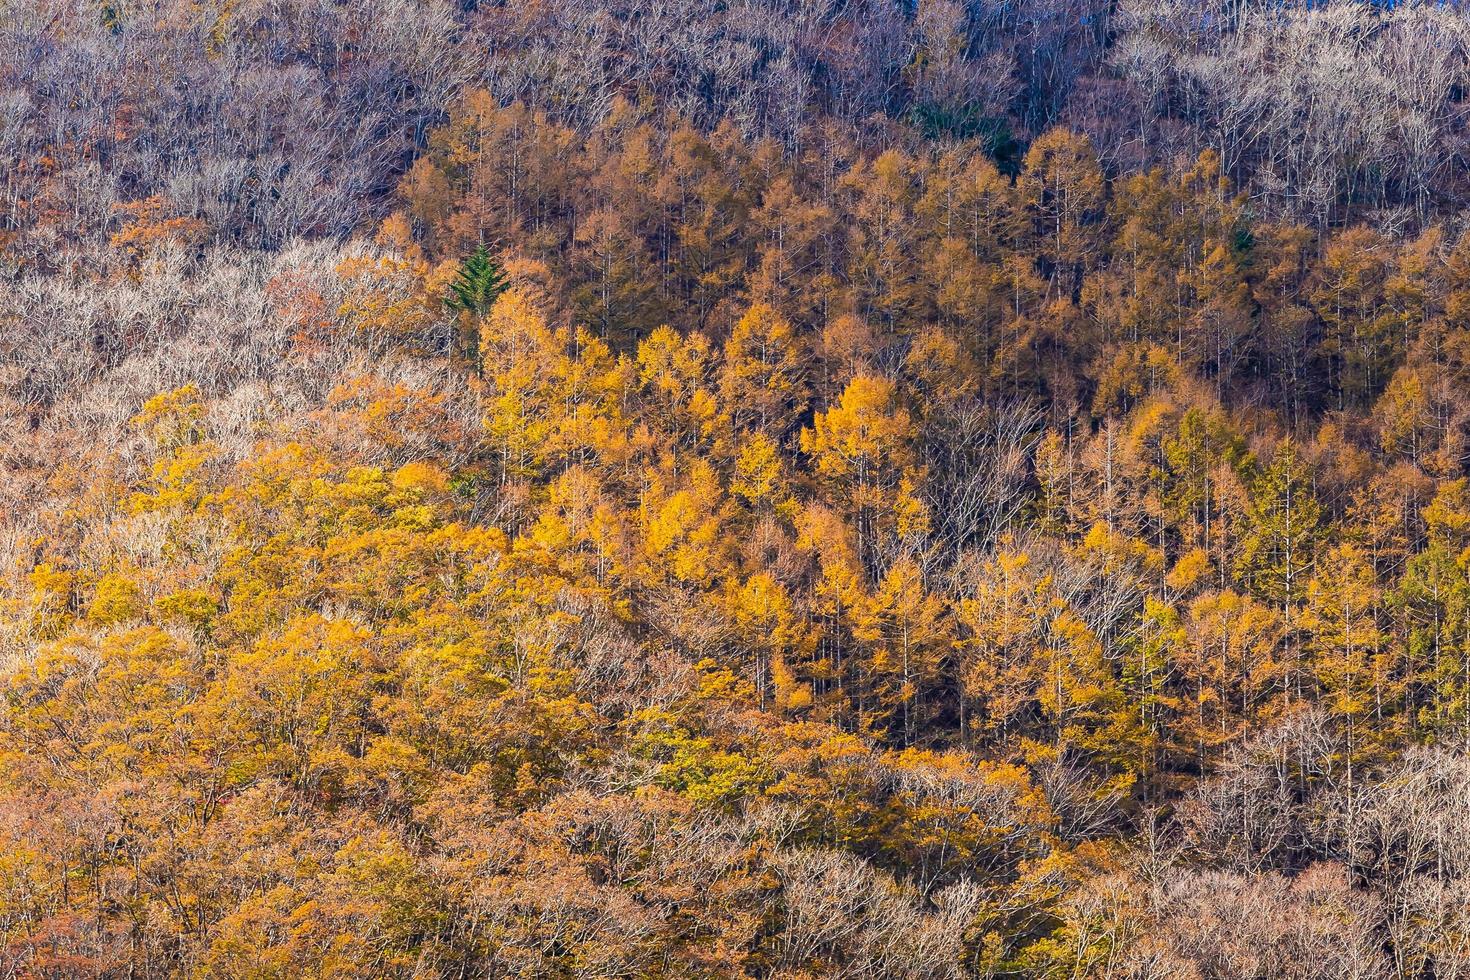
x=734, y=489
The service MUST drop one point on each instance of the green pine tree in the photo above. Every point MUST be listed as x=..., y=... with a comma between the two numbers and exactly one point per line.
x=473, y=291
x=479, y=282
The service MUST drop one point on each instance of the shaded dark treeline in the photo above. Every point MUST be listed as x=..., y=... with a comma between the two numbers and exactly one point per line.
x=1057, y=282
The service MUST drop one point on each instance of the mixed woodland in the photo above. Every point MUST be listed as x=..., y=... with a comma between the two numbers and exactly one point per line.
x=734, y=488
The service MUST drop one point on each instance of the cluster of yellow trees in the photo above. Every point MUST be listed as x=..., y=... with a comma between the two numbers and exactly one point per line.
x=810, y=564
x=306, y=719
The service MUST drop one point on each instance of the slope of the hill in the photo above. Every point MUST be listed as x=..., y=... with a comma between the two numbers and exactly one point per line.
x=731, y=490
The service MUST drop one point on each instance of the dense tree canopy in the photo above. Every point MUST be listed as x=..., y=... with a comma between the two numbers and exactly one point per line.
x=733, y=490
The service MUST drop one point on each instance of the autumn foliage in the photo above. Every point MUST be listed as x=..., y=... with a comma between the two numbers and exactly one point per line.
x=660, y=549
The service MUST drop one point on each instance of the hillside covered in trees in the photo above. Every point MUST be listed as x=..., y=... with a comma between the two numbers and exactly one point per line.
x=742, y=489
